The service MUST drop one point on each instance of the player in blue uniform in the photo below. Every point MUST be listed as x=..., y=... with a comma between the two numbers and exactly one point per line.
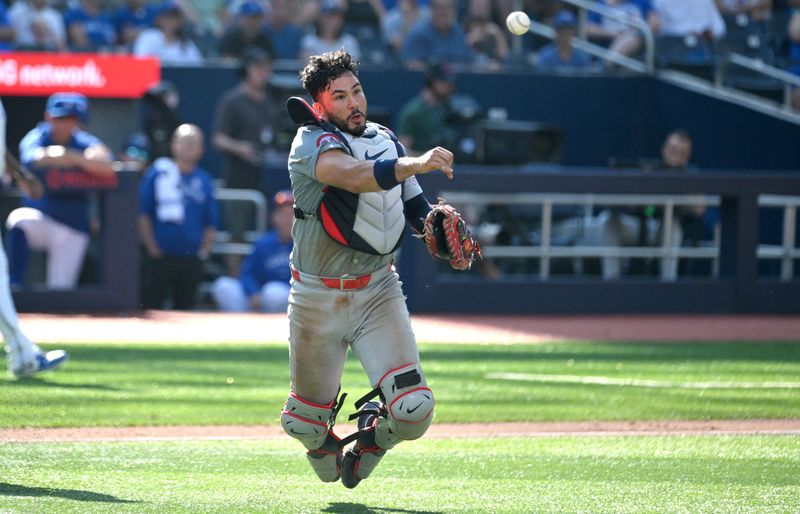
x=72, y=164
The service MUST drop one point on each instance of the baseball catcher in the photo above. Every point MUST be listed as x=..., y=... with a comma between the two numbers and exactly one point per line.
x=355, y=190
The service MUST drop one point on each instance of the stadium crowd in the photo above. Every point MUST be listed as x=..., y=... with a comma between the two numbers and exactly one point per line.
x=408, y=32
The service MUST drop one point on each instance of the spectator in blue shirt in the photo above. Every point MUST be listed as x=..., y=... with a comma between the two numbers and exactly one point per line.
x=560, y=55
x=178, y=216
x=131, y=18
x=440, y=39
x=263, y=284
x=284, y=34
x=90, y=27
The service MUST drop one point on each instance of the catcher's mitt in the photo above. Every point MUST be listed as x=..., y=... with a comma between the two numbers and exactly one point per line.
x=446, y=236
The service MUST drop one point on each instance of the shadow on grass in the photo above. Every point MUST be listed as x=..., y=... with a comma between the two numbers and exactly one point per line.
x=70, y=494
x=358, y=508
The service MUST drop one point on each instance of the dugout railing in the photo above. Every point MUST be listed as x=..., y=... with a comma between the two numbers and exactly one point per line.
x=737, y=286
x=231, y=197
x=586, y=218
x=586, y=206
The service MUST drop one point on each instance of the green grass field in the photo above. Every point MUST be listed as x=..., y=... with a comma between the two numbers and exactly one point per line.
x=124, y=385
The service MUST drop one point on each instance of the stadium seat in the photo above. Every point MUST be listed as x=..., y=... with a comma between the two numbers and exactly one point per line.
x=688, y=54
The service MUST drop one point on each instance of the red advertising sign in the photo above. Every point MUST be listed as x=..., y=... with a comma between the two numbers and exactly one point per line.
x=95, y=75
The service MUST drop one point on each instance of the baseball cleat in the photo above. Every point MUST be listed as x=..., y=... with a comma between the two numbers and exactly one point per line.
x=43, y=361
x=360, y=460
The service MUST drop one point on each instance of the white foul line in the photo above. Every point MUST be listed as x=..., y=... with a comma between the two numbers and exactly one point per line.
x=635, y=382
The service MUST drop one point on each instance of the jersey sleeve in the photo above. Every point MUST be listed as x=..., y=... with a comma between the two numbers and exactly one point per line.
x=309, y=144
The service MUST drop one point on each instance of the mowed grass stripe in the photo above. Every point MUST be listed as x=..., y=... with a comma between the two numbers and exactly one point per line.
x=564, y=474
x=151, y=384
x=659, y=384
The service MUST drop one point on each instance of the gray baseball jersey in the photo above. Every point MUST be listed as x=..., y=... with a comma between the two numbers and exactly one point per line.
x=379, y=218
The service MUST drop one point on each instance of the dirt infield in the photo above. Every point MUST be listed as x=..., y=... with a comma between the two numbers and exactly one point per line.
x=197, y=327
x=202, y=327
x=611, y=428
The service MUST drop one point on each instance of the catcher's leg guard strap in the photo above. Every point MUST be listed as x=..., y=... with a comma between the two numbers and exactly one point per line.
x=409, y=405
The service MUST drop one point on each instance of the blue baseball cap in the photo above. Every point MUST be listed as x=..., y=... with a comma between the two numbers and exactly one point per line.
x=251, y=8
x=61, y=105
x=564, y=19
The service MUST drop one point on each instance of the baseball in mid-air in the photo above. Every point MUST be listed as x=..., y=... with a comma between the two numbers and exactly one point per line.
x=518, y=23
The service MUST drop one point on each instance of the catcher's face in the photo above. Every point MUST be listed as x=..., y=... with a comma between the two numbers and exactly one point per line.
x=344, y=104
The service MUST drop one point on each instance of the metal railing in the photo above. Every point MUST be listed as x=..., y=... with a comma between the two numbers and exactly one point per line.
x=787, y=79
x=584, y=6
x=222, y=245
x=786, y=252
x=666, y=251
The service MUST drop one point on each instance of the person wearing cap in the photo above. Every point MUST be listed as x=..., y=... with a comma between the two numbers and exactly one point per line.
x=421, y=122
x=263, y=284
x=246, y=31
x=168, y=40
x=24, y=357
x=560, y=55
x=441, y=39
x=329, y=34
x=178, y=218
x=72, y=164
x=244, y=132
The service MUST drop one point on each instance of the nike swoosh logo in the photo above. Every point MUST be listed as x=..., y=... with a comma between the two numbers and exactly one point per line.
x=369, y=157
x=411, y=411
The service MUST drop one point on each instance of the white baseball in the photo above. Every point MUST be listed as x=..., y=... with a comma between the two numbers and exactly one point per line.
x=518, y=23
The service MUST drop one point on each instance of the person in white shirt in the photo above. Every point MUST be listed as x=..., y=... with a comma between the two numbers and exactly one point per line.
x=37, y=26
x=167, y=40
x=700, y=18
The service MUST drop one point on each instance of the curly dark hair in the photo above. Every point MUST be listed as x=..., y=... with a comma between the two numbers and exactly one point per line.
x=323, y=69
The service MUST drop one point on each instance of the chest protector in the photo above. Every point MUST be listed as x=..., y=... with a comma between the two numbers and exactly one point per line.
x=368, y=222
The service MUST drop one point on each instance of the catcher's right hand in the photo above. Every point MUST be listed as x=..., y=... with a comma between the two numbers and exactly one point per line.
x=446, y=236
